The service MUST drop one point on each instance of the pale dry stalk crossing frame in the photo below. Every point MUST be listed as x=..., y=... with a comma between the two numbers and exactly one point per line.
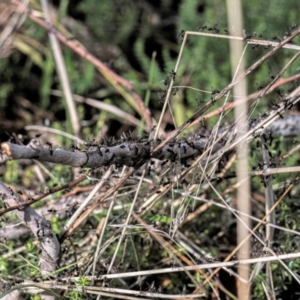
x=235, y=20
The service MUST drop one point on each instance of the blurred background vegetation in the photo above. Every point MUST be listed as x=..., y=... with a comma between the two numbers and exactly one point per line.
x=140, y=41
x=130, y=37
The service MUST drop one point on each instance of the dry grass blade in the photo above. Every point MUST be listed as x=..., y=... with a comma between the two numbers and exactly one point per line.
x=235, y=20
x=62, y=72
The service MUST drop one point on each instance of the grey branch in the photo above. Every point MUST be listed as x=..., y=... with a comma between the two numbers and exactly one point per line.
x=63, y=208
x=131, y=151
x=39, y=227
x=289, y=126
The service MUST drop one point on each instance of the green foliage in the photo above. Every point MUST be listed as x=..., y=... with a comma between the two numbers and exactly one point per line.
x=46, y=82
x=81, y=74
x=4, y=266
x=36, y=297
x=7, y=86
x=79, y=295
x=11, y=172
x=106, y=18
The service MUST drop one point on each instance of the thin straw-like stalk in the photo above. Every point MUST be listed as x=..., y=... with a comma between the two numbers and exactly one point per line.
x=62, y=73
x=234, y=12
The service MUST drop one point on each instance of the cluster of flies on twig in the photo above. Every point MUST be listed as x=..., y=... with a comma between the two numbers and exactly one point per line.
x=162, y=95
x=215, y=30
x=275, y=106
